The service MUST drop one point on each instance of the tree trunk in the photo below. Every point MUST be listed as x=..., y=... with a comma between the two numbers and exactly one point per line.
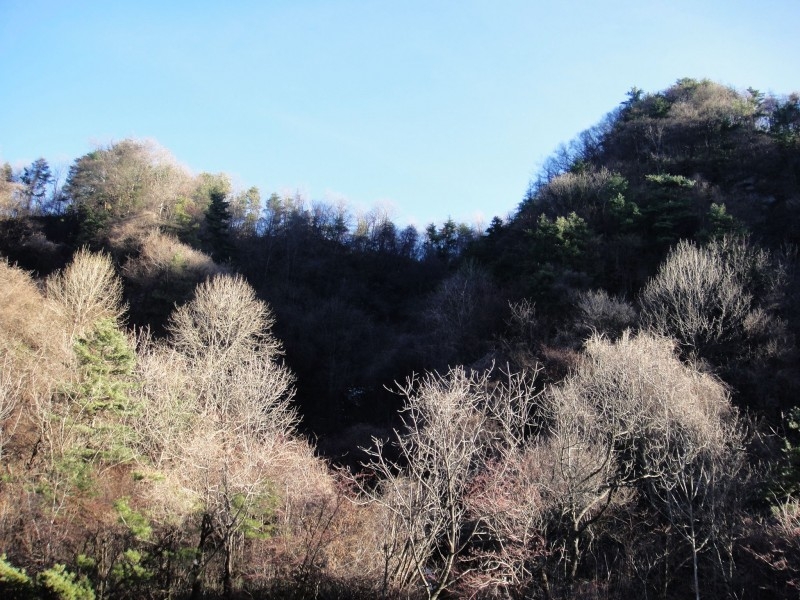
x=197, y=566
x=227, y=577
x=545, y=584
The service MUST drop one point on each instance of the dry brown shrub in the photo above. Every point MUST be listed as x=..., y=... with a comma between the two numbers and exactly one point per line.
x=559, y=361
x=712, y=103
x=38, y=245
x=326, y=540
x=358, y=542
x=164, y=256
x=21, y=308
x=582, y=192
x=509, y=501
x=129, y=233
x=31, y=349
x=11, y=387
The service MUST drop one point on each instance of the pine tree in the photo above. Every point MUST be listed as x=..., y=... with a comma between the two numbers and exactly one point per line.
x=36, y=178
x=218, y=228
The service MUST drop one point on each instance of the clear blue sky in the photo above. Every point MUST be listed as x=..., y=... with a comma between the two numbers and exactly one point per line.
x=437, y=108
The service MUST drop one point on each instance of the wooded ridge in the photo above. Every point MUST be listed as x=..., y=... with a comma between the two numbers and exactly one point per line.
x=206, y=393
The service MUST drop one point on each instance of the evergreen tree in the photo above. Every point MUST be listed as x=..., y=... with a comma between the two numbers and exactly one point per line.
x=218, y=228
x=35, y=178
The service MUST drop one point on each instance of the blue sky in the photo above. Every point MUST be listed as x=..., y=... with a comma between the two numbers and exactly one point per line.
x=434, y=109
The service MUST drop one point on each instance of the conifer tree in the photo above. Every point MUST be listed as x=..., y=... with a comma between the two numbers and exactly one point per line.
x=36, y=178
x=218, y=227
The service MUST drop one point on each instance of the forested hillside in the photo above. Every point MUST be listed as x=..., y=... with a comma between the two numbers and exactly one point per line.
x=208, y=392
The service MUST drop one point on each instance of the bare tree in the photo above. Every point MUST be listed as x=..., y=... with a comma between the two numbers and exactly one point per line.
x=583, y=476
x=453, y=425
x=600, y=313
x=715, y=298
x=638, y=418
x=511, y=549
x=460, y=313
x=217, y=398
x=439, y=450
x=699, y=489
x=85, y=292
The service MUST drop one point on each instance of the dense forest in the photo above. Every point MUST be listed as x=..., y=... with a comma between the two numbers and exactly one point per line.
x=207, y=393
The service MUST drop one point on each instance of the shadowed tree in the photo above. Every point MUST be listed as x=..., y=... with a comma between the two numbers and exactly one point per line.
x=218, y=227
x=35, y=180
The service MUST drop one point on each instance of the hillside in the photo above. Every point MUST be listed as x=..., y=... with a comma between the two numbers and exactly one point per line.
x=208, y=393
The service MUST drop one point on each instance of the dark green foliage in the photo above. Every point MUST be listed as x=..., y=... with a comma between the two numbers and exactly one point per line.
x=36, y=178
x=720, y=223
x=218, y=241
x=15, y=584
x=783, y=118
x=92, y=201
x=129, y=570
x=138, y=525
x=257, y=515
x=562, y=241
x=624, y=215
x=441, y=243
x=668, y=209
x=57, y=583
x=98, y=405
x=92, y=222
x=107, y=361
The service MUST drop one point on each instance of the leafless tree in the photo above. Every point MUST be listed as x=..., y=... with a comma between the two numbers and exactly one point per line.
x=511, y=550
x=439, y=450
x=600, y=313
x=715, y=298
x=460, y=312
x=452, y=425
x=652, y=424
x=583, y=474
x=217, y=401
x=699, y=490
x=86, y=291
